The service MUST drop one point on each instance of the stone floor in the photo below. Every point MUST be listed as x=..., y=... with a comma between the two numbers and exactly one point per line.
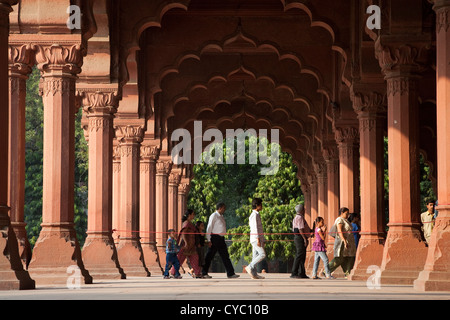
x=275, y=287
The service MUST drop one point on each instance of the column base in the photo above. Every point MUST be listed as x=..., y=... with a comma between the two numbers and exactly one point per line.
x=56, y=255
x=152, y=260
x=23, y=243
x=370, y=253
x=403, y=256
x=12, y=274
x=100, y=258
x=131, y=258
x=436, y=273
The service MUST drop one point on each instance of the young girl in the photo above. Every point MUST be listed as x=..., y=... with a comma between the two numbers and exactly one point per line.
x=320, y=248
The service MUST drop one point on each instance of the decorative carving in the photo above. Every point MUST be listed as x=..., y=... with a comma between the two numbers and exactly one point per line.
x=131, y=133
x=67, y=58
x=373, y=102
x=99, y=101
x=163, y=167
x=21, y=59
x=174, y=178
x=183, y=188
x=400, y=85
x=129, y=151
x=97, y=123
x=63, y=86
x=347, y=135
x=390, y=58
x=149, y=152
x=442, y=19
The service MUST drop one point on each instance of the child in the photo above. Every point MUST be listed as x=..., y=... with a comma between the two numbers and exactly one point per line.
x=171, y=256
x=320, y=248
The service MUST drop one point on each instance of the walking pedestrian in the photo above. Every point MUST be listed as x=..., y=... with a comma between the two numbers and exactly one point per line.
x=256, y=239
x=302, y=233
x=320, y=248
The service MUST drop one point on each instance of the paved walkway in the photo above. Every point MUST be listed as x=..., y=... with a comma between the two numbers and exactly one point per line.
x=276, y=286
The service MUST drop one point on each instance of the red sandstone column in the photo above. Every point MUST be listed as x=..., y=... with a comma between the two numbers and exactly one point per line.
x=57, y=247
x=21, y=59
x=436, y=274
x=306, y=189
x=332, y=161
x=346, y=138
x=371, y=109
x=322, y=190
x=12, y=274
x=147, y=215
x=314, y=201
x=163, y=168
x=172, y=205
x=404, y=253
x=183, y=191
x=129, y=249
x=99, y=252
x=116, y=193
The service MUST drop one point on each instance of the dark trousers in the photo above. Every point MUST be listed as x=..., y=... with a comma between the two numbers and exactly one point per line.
x=298, y=268
x=172, y=260
x=218, y=244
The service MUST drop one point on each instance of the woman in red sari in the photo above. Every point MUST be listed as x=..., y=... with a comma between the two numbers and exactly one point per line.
x=186, y=239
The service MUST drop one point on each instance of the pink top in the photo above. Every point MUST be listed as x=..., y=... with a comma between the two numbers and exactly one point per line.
x=319, y=244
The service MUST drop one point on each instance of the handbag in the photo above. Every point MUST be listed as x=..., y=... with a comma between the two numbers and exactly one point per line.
x=333, y=231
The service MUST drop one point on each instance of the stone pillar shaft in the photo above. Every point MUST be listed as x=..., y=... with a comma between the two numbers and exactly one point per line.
x=57, y=246
x=404, y=254
x=346, y=138
x=174, y=181
x=129, y=248
x=12, y=274
x=99, y=251
x=147, y=215
x=436, y=273
x=21, y=59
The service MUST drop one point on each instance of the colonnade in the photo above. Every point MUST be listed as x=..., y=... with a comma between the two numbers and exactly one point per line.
x=135, y=189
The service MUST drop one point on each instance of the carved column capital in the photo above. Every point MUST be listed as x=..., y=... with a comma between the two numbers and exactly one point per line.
x=98, y=101
x=174, y=178
x=398, y=58
x=66, y=58
x=163, y=167
x=20, y=59
x=346, y=135
x=442, y=9
x=183, y=188
x=129, y=133
x=149, y=152
x=368, y=100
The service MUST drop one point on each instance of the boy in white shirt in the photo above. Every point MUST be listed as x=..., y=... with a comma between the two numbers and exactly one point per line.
x=256, y=239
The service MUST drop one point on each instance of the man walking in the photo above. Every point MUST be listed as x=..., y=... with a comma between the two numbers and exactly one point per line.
x=256, y=239
x=302, y=231
x=215, y=232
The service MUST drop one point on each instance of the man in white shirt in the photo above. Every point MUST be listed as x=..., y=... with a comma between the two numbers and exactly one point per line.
x=256, y=239
x=215, y=234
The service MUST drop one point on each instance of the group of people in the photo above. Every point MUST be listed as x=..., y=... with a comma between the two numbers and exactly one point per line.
x=345, y=231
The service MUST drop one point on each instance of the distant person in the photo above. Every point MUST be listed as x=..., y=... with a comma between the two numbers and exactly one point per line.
x=355, y=219
x=428, y=218
x=320, y=248
x=302, y=233
x=172, y=249
x=256, y=239
x=187, y=243
x=215, y=234
x=344, y=244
